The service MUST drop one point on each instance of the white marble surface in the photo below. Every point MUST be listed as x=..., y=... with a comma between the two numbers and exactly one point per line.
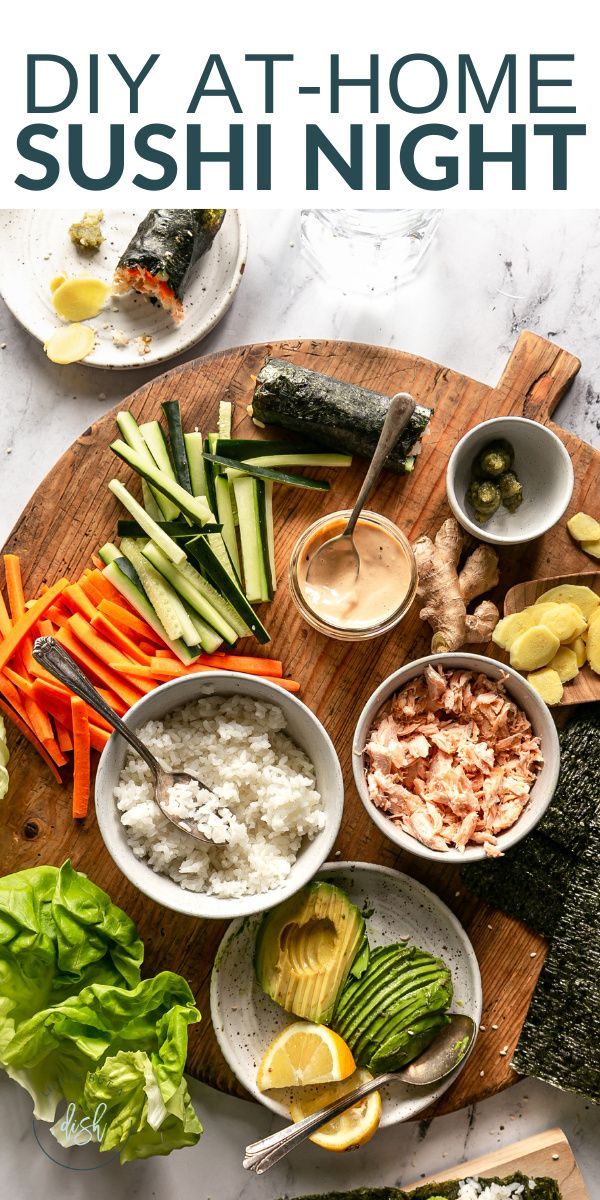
x=488, y=276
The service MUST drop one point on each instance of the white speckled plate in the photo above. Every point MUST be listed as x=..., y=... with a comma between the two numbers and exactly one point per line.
x=245, y=1020
x=35, y=247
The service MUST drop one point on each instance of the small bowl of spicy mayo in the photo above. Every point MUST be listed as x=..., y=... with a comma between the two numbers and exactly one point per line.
x=353, y=609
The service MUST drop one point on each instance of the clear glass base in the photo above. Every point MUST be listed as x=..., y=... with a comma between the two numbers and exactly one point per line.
x=367, y=251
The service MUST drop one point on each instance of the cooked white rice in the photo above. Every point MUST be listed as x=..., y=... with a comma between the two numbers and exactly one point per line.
x=480, y=1189
x=265, y=798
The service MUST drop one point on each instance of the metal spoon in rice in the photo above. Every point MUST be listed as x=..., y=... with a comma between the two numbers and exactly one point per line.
x=59, y=663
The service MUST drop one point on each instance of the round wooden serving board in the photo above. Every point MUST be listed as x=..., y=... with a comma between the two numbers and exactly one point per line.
x=72, y=513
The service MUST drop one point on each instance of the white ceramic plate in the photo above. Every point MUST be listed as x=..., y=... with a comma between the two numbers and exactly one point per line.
x=245, y=1020
x=35, y=247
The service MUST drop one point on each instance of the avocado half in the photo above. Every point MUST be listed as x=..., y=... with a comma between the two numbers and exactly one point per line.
x=305, y=949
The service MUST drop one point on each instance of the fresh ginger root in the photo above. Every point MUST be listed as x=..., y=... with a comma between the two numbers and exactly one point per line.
x=445, y=594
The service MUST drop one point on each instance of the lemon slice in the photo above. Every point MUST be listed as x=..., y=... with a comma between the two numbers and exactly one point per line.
x=352, y=1128
x=304, y=1054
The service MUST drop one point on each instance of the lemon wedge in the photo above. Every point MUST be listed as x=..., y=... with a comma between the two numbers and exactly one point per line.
x=352, y=1128
x=304, y=1054
x=80, y=298
x=70, y=344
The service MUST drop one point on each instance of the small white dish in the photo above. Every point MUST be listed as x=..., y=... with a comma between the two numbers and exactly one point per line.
x=35, y=247
x=542, y=724
x=304, y=729
x=246, y=1021
x=542, y=465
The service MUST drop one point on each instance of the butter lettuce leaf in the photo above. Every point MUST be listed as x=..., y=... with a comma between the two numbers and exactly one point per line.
x=120, y=1049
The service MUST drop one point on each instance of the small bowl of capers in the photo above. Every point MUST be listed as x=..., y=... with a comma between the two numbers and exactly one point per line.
x=509, y=480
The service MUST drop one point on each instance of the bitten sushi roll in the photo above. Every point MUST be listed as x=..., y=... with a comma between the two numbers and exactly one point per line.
x=162, y=252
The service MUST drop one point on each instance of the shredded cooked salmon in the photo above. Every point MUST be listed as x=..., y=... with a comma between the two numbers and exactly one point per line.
x=452, y=760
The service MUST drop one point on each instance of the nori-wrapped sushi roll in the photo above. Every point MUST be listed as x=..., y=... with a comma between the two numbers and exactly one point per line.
x=162, y=252
x=333, y=412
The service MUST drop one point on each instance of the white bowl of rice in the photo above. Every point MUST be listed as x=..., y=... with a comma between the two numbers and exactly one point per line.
x=277, y=781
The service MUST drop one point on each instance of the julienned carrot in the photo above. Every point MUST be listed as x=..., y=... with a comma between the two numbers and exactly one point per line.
x=92, y=593
x=12, y=696
x=14, y=585
x=98, y=737
x=55, y=751
x=165, y=654
x=244, y=662
x=107, y=629
x=109, y=592
x=290, y=685
x=45, y=628
x=97, y=561
x=158, y=670
x=147, y=648
x=28, y=621
x=57, y=701
x=57, y=616
x=129, y=621
x=119, y=706
x=102, y=650
x=77, y=601
x=5, y=621
x=81, y=758
x=96, y=668
x=63, y=736
x=23, y=728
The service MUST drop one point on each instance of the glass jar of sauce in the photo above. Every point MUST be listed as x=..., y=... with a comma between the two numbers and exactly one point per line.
x=350, y=609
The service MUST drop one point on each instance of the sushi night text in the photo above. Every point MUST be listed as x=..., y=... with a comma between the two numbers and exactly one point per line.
x=448, y=125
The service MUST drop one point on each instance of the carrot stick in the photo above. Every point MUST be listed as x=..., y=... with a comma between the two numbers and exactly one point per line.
x=57, y=616
x=20, y=681
x=98, y=737
x=92, y=592
x=38, y=720
x=108, y=591
x=11, y=695
x=290, y=685
x=96, y=668
x=28, y=621
x=245, y=663
x=5, y=621
x=97, y=561
x=125, y=620
x=113, y=702
x=45, y=628
x=77, y=601
x=105, y=627
x=147, y=671
x=147, y=648
x=57, y=701
x=63, y=736
x=14, y=585
x=102, y=650
x=81, y=758
x=165, y=654
x=55, y=751
x=23, y=728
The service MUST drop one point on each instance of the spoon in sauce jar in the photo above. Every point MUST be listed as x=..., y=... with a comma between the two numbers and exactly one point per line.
x=337, y=561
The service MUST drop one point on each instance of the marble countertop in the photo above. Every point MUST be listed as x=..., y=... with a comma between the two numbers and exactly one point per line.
x=488, y=276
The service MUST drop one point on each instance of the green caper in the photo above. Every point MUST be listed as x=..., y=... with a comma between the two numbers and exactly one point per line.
x=493, y=460
x=484, y=496
x=511, y=491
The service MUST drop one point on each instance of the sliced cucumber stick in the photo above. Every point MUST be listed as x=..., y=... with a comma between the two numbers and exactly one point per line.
x=187, y=590
x=130, y=432
x=163, y=598
x=249, y=498
x=172, y=412
x=194, y=507
x=199, y=549
x=138, y=600
x=194, y=449
x=225, y=515
x=150, y=527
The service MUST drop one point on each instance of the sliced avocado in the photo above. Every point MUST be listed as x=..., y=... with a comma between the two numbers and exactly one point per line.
x=305, y=949
x=392, y=1013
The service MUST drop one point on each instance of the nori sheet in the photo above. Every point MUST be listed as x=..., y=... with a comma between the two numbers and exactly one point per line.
x=560, y=1040
x=533, y=1189
x=532, y=880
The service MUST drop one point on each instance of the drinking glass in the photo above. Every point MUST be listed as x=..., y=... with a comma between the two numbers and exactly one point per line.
x=368, y=251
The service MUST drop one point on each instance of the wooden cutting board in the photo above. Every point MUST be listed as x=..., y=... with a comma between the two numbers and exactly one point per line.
x=545, y=1154
x=586, y=685
x=72, y=513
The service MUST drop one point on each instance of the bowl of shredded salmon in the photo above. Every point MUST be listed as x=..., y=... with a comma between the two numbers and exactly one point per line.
x=456, y=757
